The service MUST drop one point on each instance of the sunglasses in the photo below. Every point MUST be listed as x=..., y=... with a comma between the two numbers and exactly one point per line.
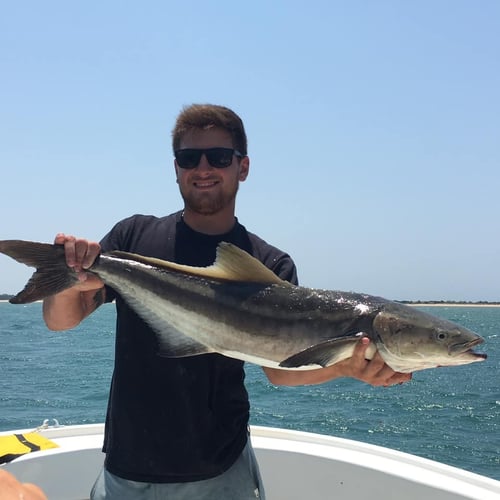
x=216, y=157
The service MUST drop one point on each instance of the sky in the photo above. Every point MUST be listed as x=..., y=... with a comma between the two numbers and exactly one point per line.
x=373, y=129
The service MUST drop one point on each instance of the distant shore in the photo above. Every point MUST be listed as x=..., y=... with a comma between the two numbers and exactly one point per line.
x=418, y=304
x=452, y=304
x=7, y=300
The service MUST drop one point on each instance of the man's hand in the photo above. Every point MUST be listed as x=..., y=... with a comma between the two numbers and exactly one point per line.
x=80, y=255
x=374, y=372
x=12, y=489
x=68, y=308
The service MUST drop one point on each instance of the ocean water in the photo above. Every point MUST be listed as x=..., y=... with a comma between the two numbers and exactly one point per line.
x=448, y=414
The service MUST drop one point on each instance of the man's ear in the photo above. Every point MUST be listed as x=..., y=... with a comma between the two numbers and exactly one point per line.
x=244, y=168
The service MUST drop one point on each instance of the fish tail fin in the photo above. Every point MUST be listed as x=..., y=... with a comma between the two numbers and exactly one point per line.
x=52, y=275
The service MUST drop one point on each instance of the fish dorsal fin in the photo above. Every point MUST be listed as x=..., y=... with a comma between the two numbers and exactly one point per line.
x=231, y=264
x=237, y=265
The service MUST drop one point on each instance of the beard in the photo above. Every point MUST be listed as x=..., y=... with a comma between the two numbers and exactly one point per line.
x=208, y=203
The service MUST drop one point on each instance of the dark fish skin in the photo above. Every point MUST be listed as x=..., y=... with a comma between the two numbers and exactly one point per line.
x=239, y=308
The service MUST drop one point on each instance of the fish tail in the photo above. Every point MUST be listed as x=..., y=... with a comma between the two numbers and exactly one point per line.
x=52, y=275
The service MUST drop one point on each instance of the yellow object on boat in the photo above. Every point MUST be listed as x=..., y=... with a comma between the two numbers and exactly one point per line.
x=15, y=445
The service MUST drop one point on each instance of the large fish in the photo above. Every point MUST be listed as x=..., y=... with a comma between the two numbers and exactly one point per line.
x=239, y=308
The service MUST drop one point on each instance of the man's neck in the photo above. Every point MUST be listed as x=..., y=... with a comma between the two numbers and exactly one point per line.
x=219, y=223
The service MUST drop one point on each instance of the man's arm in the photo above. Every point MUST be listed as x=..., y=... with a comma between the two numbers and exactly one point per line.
x=374, y=372
x=68, y=308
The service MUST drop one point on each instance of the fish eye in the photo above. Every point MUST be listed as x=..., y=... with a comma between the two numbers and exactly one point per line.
x=441, y=336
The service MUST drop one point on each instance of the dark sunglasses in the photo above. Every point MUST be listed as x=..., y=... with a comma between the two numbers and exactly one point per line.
x=216, y=157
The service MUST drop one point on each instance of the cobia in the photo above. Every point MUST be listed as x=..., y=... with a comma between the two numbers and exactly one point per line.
x=239, y=308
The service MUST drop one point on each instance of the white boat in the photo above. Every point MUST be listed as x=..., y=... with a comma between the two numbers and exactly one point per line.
x=294, y=465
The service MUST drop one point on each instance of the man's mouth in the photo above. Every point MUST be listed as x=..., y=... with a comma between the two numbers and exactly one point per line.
x=205, y=184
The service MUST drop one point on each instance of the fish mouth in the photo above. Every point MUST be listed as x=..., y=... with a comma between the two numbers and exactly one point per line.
x=467, y=348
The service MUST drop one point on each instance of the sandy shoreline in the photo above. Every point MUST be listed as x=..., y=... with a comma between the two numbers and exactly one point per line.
x=452, y=304
x=423, y=304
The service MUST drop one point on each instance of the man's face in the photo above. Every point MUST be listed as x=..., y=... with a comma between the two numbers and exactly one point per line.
x=205, y=189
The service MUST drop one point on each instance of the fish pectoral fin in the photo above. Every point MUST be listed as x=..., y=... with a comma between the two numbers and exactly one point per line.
x=324, y=354
x=231, y=264
x=173, y=344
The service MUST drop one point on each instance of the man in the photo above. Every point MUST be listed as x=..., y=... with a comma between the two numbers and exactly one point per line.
x=177, y=428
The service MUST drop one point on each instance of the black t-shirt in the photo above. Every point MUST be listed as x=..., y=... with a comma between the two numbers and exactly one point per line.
x=183, y=419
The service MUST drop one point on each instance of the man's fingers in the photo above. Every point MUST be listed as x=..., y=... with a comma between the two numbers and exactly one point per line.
x=399, y=378
x=80, y=253
x=81, y=247
x=60, y=239
x=93, y=251
x=360, y=350
x=70, y=250
x=375, y=372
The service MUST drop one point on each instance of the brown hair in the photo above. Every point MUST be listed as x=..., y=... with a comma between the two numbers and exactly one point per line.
x=206, y=116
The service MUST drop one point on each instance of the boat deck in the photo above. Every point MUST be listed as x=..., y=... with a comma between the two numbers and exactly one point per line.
x=294, y=465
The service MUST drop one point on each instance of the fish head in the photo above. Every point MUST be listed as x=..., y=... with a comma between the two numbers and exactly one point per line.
x=410, y=340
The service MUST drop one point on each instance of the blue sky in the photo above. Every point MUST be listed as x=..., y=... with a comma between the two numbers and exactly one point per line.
x=373, y=126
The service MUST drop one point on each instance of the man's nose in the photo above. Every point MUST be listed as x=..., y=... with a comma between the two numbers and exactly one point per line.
x=204, y=165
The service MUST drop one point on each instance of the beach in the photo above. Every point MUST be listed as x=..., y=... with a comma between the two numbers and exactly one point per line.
x=452, y=304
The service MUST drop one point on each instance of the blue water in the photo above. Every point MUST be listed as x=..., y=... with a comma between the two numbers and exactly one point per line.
x=449, y=414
